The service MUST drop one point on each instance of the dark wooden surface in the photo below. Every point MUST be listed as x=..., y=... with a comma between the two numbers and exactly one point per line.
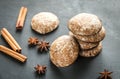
x=84, y=68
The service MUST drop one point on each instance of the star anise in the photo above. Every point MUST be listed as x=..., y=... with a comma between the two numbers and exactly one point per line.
x=105, y=74
x=33, y=41
x=43, y=46
x=40, y=69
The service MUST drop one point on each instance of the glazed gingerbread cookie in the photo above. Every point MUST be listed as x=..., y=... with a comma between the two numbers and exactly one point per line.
x=64, y=51
x=92, y=52
x=84, y=24
x=93, y=38
x=85, y=45
x=44, y=22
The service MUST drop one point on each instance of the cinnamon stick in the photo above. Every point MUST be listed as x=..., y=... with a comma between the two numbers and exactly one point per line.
x=12, y=53
x=11, y=41
x=21, y=18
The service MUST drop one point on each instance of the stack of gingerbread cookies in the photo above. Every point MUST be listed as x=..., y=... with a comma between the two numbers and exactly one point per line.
x=89, y=32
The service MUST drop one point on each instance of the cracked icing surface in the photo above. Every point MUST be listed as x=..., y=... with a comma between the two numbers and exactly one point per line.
x=44, y=22
x=92, y=38
x=85, y=24
x=91, y=53
x=64, y=51
x=85, y=45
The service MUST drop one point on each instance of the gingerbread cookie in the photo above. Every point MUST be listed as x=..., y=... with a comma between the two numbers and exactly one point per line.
x=92, y=38
x=44, y=22
x=84, y=24
x=85, y=45
x=64, y=51
x=92, y=52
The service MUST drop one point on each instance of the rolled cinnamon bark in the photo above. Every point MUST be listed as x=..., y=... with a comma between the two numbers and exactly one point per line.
x=11, y=41
x=12, y=53
x=21, y=18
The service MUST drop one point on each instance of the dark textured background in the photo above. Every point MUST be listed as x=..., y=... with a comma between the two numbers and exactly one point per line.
x=83, y=68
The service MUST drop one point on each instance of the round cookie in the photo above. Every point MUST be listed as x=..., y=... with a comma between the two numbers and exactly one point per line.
x=85, y=45
x=44, y=22
x=64, y=51
x=92, y=38
x=91, y=53
x=84, y=24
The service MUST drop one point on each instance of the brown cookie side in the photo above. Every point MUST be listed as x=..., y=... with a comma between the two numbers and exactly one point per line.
x=85, y=45
x=92, y=52
x=93, y=38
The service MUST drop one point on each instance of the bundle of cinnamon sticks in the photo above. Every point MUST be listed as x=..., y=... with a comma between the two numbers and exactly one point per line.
x=21, y=18
x=15, y=53
x=14, y=45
